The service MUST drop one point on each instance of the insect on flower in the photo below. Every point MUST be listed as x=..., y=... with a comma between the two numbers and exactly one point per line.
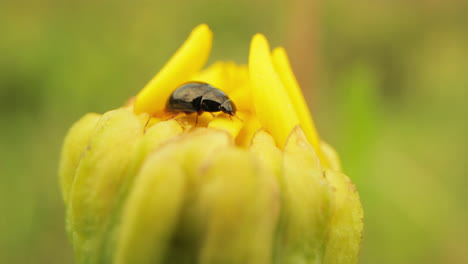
x=132, y=188
x=200, y=97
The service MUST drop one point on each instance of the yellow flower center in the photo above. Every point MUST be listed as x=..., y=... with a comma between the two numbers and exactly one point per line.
x=265, y=92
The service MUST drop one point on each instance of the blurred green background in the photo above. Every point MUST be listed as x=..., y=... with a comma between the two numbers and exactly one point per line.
x=386, y=80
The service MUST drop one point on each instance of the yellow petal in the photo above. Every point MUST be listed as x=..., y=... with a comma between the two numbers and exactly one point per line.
x=187, y=61
x=272, y=104
x=283, y=69
x=232, y=79
x=214, y=75
x=250, y=126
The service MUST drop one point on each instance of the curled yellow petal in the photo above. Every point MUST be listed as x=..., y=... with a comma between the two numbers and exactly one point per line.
x=272, y=104
x=284, y=71
x=185, y=63
x=250, y=126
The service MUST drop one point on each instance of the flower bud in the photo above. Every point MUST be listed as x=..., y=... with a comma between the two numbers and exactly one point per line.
x=142, y=185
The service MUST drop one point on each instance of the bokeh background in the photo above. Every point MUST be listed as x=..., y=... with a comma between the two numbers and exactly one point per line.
x=386, y=80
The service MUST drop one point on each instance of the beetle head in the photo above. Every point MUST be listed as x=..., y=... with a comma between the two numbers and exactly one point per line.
x=228, y=107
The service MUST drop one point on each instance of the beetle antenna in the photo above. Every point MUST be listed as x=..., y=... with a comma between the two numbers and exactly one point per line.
x=239, y=118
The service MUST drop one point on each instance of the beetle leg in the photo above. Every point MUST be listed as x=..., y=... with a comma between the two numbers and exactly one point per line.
x=173, y=116
x=146, y=124
x=196, y=119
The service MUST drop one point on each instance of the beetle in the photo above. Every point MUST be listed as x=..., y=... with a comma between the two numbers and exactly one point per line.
x=200, y=97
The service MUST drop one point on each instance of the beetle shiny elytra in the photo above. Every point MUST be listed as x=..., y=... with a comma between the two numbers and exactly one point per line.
x=200, y=97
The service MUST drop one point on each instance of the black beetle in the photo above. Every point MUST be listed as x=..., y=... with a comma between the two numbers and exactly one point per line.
x=200, y=97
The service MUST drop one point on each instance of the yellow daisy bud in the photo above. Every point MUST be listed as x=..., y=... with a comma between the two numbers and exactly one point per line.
x=243, y=178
